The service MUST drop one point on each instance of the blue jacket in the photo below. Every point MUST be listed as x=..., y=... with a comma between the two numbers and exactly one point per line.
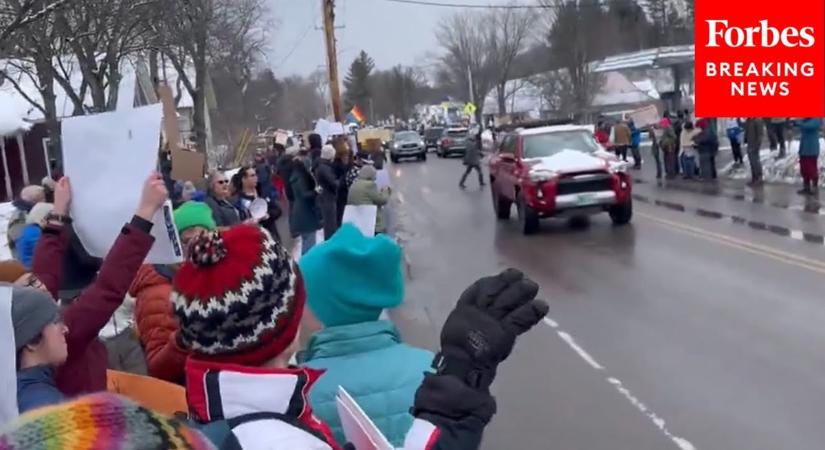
x=36, y=388
x=379, y=371
x=635, y=136
x=26, y=244
x=809, y=141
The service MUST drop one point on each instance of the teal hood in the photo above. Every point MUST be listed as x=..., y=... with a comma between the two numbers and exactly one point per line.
x=372, y=363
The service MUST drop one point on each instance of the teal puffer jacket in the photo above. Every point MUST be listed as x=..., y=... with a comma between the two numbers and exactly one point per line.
x=375, y=367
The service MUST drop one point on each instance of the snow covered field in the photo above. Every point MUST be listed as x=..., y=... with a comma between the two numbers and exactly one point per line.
x=784, y=170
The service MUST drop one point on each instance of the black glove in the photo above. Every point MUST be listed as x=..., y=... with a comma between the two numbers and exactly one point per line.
x=481, y=331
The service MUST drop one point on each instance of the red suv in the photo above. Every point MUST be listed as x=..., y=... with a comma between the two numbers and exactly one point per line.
x=558, y=171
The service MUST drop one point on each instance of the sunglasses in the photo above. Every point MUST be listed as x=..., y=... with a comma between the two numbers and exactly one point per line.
x=223, y=181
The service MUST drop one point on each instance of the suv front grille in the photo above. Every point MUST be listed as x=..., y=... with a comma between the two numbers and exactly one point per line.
x=585, y=183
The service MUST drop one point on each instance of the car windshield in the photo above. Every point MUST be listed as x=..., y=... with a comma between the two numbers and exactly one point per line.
x=407, y=136
x=457, y=133
x=548, y=144
x=433, y=132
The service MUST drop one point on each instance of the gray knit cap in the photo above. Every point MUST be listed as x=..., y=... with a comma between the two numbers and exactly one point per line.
x=31, y=311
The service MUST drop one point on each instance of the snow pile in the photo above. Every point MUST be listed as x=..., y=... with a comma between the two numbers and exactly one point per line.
x=6, y=211
x=777, y=170
x=12, y=113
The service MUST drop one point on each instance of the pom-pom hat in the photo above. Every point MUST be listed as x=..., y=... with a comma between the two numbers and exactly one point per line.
x=239, y=299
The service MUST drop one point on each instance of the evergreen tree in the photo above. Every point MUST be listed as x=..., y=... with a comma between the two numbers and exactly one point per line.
x=357, y=81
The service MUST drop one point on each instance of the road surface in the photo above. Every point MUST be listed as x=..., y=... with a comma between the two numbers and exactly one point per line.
x=676, y=332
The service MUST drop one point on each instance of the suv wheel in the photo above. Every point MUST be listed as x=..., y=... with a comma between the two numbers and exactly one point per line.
x=501, y=205
x=423, y=156
x=394, y=159
x=621, y=213
x=527, y=217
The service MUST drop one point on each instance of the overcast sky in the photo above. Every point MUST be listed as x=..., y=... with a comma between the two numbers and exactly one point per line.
x=392, y=33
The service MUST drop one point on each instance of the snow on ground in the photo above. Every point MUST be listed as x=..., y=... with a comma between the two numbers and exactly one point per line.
x=776, y=170
x=6, y=211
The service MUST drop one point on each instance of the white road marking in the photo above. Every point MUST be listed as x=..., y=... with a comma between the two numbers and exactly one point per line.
x=400, y=197
x=658, y=422
x=797, y=234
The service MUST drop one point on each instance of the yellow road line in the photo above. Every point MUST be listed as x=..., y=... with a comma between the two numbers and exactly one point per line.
x=778, y=255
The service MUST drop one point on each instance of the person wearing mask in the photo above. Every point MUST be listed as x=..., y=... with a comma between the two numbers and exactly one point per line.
x=30, y=234
x=155, y=321
x=689, y=154
x=707, y=144
x=733, y=129
x=809, y=154
x=304, y=217
x=67, y=359
x=29, y=196
x=365, y=192
x=328, y=197
x=243, y=392
x=635, y=143
x=350, y=281
x=754, y=134
x=218, y=199
x=621, y=139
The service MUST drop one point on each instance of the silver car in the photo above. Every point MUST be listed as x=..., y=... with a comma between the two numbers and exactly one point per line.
x=407, y=144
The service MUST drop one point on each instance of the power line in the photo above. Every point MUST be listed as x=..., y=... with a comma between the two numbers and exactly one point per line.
x=296, y=45
x=459, y=5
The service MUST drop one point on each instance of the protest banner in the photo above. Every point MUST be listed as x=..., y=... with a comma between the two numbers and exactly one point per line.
x=359, y=430
x=108, y=157
x=643, y=117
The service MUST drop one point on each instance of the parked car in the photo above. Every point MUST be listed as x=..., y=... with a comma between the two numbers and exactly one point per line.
x=432, y=137
x=558, y=171
x=454, y=141
x=407, y=144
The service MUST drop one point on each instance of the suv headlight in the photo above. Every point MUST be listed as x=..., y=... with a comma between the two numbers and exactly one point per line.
x=540, y=176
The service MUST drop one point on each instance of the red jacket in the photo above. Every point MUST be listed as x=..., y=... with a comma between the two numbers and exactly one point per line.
x=157, y=325
x=85, y=368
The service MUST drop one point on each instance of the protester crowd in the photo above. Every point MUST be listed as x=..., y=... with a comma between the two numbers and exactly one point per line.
x=239, y=346
x=686, y=147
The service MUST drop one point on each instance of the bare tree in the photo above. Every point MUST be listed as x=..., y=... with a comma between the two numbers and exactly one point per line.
x=18, y=14
x=509, y=36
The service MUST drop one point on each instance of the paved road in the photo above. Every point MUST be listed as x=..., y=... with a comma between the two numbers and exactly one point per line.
x=674, y=332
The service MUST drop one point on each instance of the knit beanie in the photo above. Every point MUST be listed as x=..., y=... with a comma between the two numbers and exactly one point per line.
x=11, y=271
x=239, y=298
x=367, y=172
x=194, y=214
x=39, y=213
x=100, y=421
x=351, y=278
x=31, y=310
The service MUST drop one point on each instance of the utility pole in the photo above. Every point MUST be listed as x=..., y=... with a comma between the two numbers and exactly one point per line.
x=328, y=8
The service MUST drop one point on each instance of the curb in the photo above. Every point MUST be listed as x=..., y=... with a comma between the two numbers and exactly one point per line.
x=796, y=235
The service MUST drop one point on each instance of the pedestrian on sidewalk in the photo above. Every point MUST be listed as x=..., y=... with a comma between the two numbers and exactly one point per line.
x=754, y=133
x=678, y=125
x=689, y=154
x=621, y=139
x=809, y=154
x=778, y=125
x=733, y=128
x=472, y=161
x=655, y=134
x=635, y=143
x=365, y=192
x=707, y=144
x=329, y=184
x=304, y=216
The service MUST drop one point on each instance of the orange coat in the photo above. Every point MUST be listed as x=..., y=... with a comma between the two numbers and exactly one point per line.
x=157, y=326
x=157, y=395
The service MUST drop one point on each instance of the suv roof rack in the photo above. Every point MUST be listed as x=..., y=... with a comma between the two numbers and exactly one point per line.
x=535, y=124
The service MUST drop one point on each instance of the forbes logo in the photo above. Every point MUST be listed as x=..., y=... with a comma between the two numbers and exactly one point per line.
x=764, y=36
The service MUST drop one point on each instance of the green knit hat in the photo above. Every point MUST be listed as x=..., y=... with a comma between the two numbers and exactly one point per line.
x=351, y=278
x=194, y=214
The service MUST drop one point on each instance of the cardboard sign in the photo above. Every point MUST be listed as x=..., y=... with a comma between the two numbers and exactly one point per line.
x=359, y=430
x=643, y=117
x=187, y=166
x=171, y=130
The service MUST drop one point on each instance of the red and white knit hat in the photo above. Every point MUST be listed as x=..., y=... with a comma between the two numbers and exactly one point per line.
x=239, y=298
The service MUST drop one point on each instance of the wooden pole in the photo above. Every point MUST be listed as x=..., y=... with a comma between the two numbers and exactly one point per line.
x=328, y=8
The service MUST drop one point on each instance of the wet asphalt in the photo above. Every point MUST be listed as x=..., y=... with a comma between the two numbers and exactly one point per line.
x=714, y=331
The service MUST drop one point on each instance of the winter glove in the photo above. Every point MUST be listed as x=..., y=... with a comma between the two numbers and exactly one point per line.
x=481, y=331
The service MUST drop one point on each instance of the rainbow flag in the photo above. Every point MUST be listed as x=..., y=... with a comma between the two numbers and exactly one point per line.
x=355, y=115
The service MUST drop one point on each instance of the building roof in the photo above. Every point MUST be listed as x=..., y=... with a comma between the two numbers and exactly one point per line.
x=651, y=58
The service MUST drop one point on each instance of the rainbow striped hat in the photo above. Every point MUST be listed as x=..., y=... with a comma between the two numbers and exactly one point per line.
x=100, y=421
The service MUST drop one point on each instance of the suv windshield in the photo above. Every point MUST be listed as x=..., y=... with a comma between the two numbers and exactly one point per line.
x=548, y=144
x=432, y=133
x=407, y=136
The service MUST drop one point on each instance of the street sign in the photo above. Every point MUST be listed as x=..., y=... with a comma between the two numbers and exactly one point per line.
x=470, y=109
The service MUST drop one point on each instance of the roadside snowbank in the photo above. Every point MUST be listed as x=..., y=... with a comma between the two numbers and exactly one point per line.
x=6, y=211
x=776, y=170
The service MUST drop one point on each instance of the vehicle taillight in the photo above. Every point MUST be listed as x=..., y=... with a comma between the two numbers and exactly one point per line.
x=446, y=141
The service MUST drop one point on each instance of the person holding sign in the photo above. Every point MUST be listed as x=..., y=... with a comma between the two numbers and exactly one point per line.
x=69, y=360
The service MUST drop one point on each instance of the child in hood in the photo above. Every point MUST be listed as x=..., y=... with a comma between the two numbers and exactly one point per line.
x=350, y=280
x=30, y=234
x=239, y=299
x=46, y=372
